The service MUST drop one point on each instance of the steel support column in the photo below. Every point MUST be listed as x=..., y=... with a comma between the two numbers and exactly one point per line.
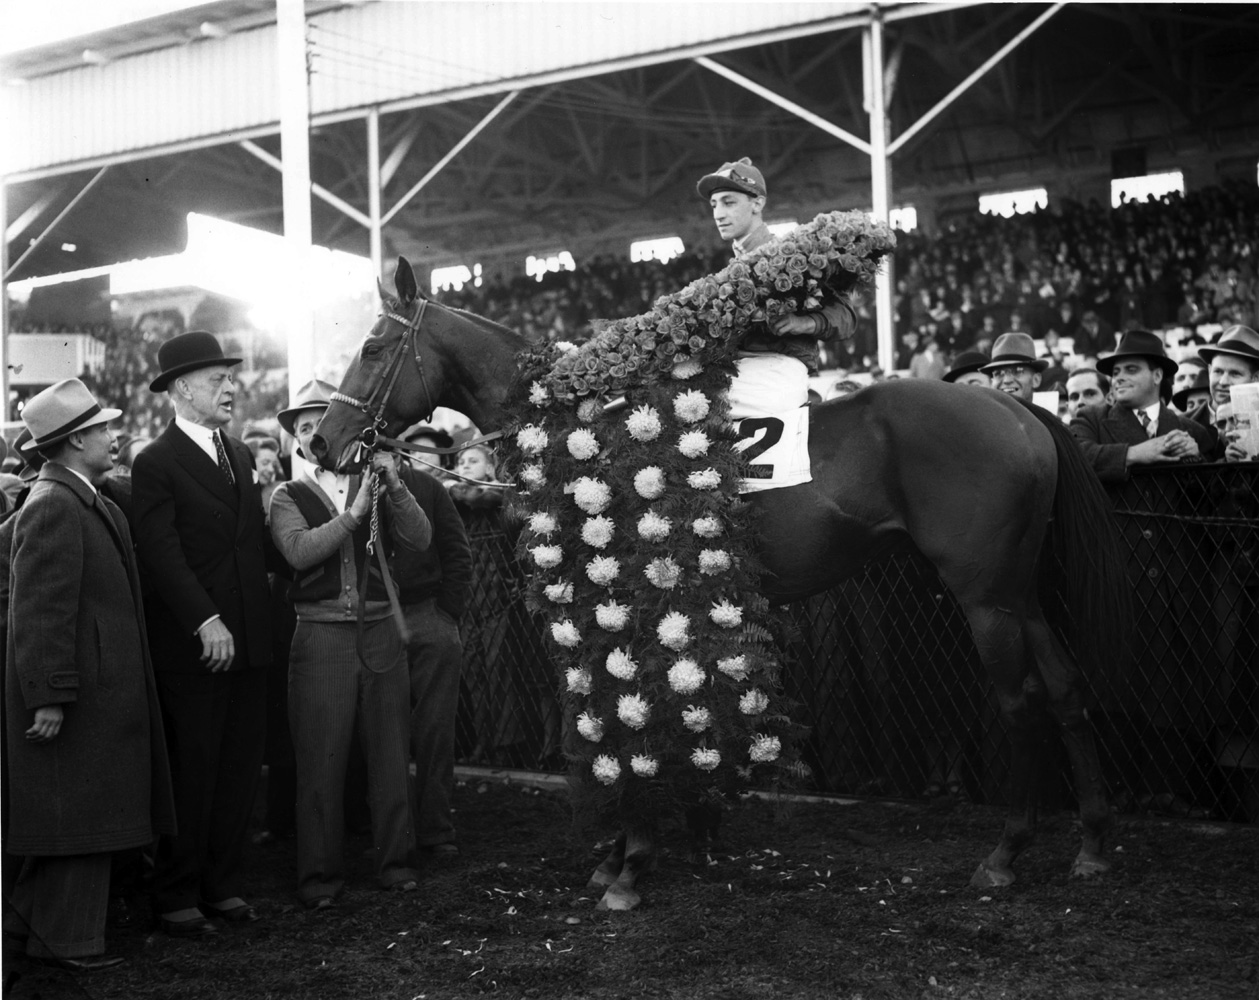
x=880, y=183
x=374, y=182
x=295, y=152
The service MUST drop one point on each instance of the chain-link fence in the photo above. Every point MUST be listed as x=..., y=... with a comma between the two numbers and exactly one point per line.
x=885, y=673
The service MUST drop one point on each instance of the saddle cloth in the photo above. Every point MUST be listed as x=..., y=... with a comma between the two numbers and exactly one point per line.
x=769, y=405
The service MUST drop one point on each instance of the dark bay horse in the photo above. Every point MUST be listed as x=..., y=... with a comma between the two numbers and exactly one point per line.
x=970, y=478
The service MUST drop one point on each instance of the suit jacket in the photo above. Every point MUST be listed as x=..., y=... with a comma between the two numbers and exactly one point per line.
x=202, y=544
x=76, y=639
x=1105, y=435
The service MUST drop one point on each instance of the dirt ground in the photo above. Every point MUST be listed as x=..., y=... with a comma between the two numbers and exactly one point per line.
x=852, y=902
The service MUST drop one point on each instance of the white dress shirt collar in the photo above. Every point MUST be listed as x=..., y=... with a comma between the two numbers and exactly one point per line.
x=202, y=437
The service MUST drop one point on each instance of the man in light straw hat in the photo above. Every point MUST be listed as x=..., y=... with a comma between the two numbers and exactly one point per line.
x=198, y=520
x=86, y=761
x=774, y=365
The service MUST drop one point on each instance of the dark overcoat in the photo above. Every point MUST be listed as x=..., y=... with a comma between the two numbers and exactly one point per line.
x=76, y=639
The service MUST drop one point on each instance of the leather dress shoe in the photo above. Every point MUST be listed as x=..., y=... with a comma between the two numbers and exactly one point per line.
x=193, y=927
x=243, y=914
x=88, y=963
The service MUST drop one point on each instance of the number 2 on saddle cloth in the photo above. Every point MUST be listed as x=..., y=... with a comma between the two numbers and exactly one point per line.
x=769, y=405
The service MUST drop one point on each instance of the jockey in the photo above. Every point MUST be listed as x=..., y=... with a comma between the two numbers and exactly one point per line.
x=775, y=362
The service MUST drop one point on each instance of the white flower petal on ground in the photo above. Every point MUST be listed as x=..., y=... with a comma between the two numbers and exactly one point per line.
x=531, y=439
x=653, y=527
x=592, y=495
x=765, y=748
x=753, y=702
x=590, y=727
x=708, y=479
x=713, y=561
x=644, y=766
x=725, y=614
x=705, y=760
x=579, y=681
x=605, y=769
x=707, y=526
x=643, y=424
x=559, y=593
x=663, y=573
x=633, y=710
x=649, y=482
x=602, y=570
x=612, y=617
x=686, y=676
x=621, y=665
x=734, y=666
x=582, y=444
x=690, y=407
x=597, y=531
x=674, y=630
x=693, y=444
x=565, y=633
x=696, y=719
x=547, y=556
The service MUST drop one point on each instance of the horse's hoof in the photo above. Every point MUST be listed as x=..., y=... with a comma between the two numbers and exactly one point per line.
x=1088, y=867
x=991, y=878
x=601, y=879
x=619, y=898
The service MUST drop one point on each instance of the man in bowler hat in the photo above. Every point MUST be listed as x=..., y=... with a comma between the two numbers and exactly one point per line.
x=198, y=520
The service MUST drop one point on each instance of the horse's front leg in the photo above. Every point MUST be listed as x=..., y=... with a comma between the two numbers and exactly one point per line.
x=610, y=867
x=639, y=859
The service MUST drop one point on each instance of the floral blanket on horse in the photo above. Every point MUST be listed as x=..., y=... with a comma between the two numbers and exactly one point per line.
x=644, y=553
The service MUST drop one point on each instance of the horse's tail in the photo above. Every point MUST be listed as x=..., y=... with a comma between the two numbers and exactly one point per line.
x=1084, y=587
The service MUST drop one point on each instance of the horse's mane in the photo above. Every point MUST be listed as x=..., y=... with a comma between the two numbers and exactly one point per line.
x=488, y=325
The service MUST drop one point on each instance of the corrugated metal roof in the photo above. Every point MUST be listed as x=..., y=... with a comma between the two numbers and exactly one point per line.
x=372, y=54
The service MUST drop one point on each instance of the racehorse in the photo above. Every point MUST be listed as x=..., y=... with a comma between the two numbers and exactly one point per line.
x=970, y=478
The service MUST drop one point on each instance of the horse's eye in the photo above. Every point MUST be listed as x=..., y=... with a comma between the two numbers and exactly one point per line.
x=370, y=351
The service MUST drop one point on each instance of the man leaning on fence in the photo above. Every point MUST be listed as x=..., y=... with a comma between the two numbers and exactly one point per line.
x=1231, y=360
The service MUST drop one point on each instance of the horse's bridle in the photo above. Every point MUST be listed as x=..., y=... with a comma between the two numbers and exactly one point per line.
x=375, y=406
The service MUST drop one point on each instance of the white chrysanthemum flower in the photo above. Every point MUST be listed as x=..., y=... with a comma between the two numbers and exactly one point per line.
x=644, y=766
x=565, y=633
x=592, y=495
x=687, y=369
x=620, y=665
x=686, y=677
x=649, y=482
x=633, y=710
x=531, y=439
x=612, y=617
x=582, y=445
x=597, y=531
x=588, y=409
x=579, y=681
x=708, y=526
x=547, y=556
x=765, y=748
x=602, y=570
x=734, y=666
x=542, y=523
x=538, y=394
x=713, y=561
x=605, y=769
x=693, y=444
x=708, y=479
x=663, y=573
x=674, y=630
x=559, y=593
x=690, y=407
x=725, y=614
x=705, y=760
x=590, y=727
x=565, y=346
x=696, y=719
x=532, y=475
x=643, y=424
x=653, y=527
x=753, y=702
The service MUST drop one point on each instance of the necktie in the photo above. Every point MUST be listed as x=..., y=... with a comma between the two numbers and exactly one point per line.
x=224, y=465
x=1144, y=417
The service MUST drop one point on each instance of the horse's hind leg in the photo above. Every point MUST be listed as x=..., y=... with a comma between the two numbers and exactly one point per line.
x=610, y=867
x=639, y=859
x=1062, y=682
x=1001, y=638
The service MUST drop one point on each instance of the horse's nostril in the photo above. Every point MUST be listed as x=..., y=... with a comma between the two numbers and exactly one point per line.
x=318, y=446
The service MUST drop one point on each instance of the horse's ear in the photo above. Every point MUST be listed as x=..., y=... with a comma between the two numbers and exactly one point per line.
x=380, y=290
x=404, y=282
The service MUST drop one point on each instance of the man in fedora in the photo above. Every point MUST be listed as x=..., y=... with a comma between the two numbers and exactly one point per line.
x=1014, y=368
x=85, y=757
x=1140, y=428
x=198, y=520
x=1192, y=396
x=966, y=369
x=1231, y=360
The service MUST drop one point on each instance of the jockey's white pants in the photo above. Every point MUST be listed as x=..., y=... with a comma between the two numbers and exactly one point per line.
x=769, y=396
